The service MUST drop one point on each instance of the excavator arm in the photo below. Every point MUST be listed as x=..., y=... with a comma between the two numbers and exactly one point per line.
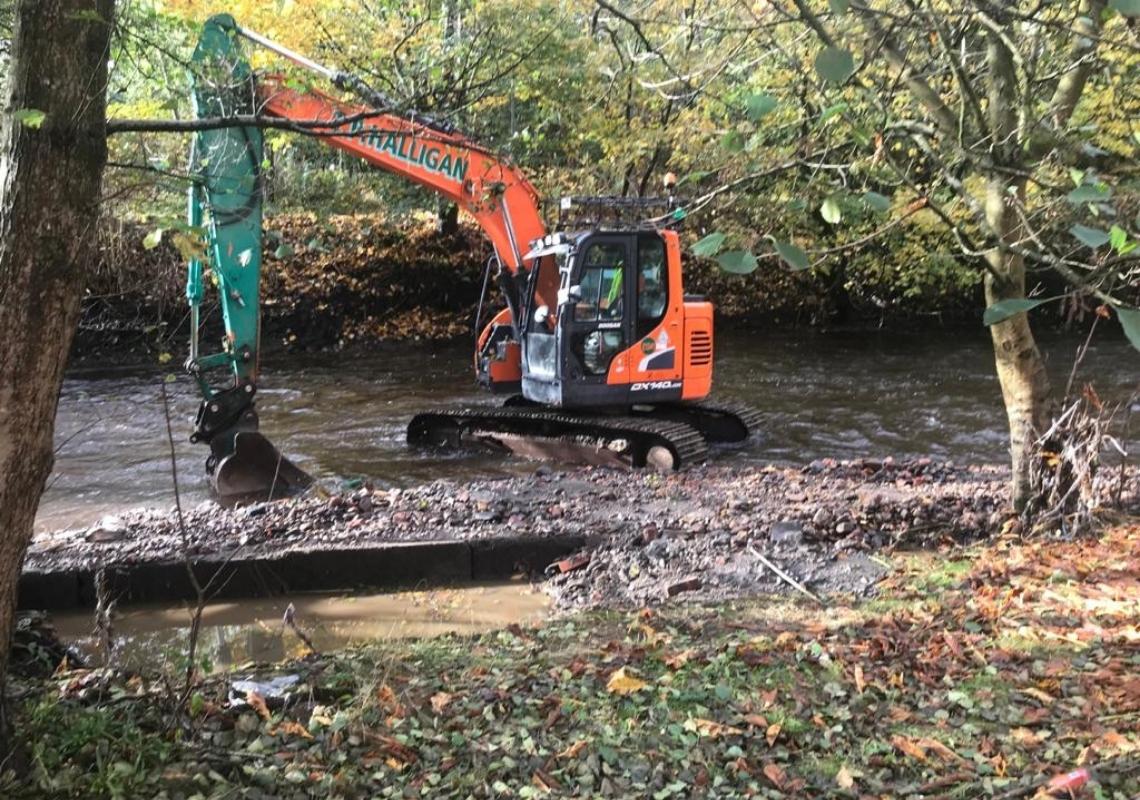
x=226, y=201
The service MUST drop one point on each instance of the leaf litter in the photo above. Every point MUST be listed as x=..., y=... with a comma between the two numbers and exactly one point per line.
x=987, y=671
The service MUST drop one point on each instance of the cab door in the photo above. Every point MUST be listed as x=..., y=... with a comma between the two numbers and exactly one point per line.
x=658, y=319
x=598, y=324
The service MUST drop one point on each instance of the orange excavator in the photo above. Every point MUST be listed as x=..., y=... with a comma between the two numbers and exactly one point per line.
x=602, y=355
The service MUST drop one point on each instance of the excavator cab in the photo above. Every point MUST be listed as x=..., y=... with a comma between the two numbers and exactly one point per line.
x=623, y=333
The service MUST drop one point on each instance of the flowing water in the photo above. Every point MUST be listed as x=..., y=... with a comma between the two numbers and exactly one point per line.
x=252, y=630
x=342, y=416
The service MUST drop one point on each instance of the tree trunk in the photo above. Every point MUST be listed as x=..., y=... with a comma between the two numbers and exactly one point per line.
x=50, y=184
x=1021, y=371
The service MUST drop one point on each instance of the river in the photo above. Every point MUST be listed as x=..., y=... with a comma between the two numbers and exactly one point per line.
x=342, y=416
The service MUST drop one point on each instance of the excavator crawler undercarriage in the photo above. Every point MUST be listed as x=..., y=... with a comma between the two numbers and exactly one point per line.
x=665, y=437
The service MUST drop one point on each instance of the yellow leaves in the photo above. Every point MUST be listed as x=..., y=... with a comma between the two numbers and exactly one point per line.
x=189, y=246
x=773, y=733
x=844, y=779
x=860, y=683
x=622, y=682
x=710, y=728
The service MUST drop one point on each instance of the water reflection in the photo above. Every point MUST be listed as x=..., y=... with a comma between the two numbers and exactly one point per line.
x=239, y=632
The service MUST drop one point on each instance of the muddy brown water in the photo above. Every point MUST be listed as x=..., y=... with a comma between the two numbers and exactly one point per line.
x=343, y=416
x=252, y=630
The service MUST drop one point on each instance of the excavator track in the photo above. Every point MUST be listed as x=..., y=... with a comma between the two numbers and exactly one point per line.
x=541, y=432
x=721, y=421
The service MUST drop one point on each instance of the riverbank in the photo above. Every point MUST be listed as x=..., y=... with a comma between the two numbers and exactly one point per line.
x=710, y=532
x=339, y=281
x=986, y=670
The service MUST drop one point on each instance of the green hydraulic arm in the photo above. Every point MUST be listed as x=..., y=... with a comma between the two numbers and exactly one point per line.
x=226, y=201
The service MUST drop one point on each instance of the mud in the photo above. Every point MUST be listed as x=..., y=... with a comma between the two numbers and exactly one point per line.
x=651, y=538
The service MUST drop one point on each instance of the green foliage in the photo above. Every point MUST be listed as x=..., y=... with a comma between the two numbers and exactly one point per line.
x=760, y=105
x=834, y=65
x=91, y=752
x=574, y=95
x=792, y=255
x=1130, y=322
x=1004, y=309
x=1090, y=237
x=876, y=201
x=153, y=239
x=738, y=262
x=830, y=210
x=708, y=246
x=1090, y=193
x=29, y=117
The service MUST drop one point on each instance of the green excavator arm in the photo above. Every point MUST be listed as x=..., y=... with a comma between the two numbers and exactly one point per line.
x=225, y=201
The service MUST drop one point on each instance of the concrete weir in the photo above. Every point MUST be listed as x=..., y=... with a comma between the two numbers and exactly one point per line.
x=388, y=565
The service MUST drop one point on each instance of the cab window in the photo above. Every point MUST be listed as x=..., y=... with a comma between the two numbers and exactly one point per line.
x=652, y=283
x=600, y=284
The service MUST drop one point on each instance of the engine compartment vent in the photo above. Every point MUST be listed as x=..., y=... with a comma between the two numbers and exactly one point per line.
x=700, y=348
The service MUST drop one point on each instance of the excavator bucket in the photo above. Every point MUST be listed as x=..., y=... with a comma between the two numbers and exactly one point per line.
x=256, y=470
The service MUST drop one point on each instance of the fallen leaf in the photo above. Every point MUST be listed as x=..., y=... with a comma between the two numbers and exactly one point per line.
x=711, y=728
x=899, y=714
x=844, y=779
x=939, y=749
x=767, y=698
x=776, y=775
x=291, y=728
x=573, y=750
x=859, y=682
x=678, y=660
x=388, y=701
x=773, y=733
x=653, y=637
x=440, y=701
x=545, y=781
x=1025, y=737
x=786, y=641
x=908, y=747
x=622, y=682
x=1037, y=694
x=257, y=703
x=756, y=721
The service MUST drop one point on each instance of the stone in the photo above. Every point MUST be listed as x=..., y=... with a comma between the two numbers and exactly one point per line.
x=689, y=584
x=787, y=532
